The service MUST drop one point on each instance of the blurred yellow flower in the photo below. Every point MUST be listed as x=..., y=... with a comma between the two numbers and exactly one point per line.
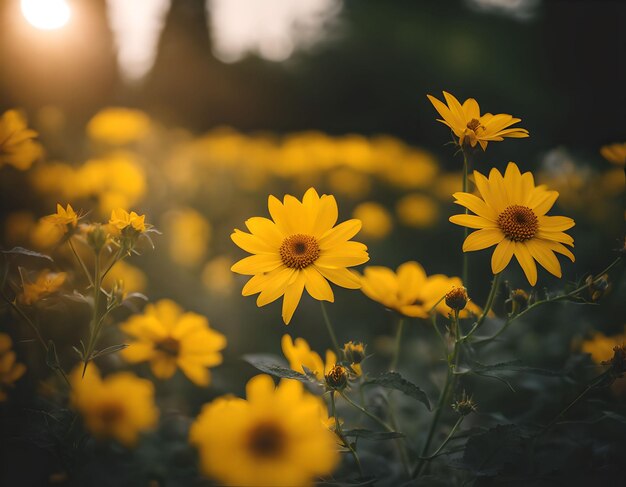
x=274, y=438
x=133, y=278
x=446, y=184
x=417, y=169
x=410, y=292
x=217, y=277
x=10, y=370
x=45, y=234
x=119, y=407
x=169, y=338
x=17, y=147
x=188, y=235
x=119, y=126
x=472, y=128
x=417, y=210
x=600, y=346
x=301, y=248
x=615, y=153
x=63, y=217
x=376, y=220
x=349, y=182
x=300, y=355
x=121, y=219
x=511, y=214
x=46, y=283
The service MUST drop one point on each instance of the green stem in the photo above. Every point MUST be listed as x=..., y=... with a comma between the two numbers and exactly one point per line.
x=331, y=331
x=96, y=323
x=404, y=454
x=339, y=432
x=448, y=438
x=116, y=258
x=367, y=413
x=396, y=353
x=488, y=305
x=466, y=161
x=80, y=261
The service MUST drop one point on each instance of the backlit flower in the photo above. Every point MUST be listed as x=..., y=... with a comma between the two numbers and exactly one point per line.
x=299, y=354
x=275, y=437
x=410, y=292
x=64, y=217
x=119, y=407
x=300, y=249
x=169, y=338
x=118, y=126
x=470, y=127
x=10, y=370
x=17, y=146
x=45, y=284
x=121, y=220
x=511, y=214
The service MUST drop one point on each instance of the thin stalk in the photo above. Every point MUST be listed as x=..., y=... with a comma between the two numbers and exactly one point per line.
x=367, y=413
x=342, y=437
x=448, y=438
x=404, y=454
x=488, y=305
x=331, y=331
x=396, y=353
x=80, y=261
x=117, y=256
x=466, y=161
x=96, y=323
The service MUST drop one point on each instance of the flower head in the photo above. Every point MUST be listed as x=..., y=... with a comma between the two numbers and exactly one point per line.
x=64, y=217
x=470, y=127
x=511, y=214
x=10, y=370
x=457, y=298
x=168, y=338
x=300, y=248
x=409, y=291
x=337, y=377
x=17, y=146
x=274, y=438
x=299, y=354
x=46, y=283
x=118, y=407
x=121, y=220
x=600, y=346
x=354, y=352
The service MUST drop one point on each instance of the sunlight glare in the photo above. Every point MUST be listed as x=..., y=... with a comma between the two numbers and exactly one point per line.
x=46, y=14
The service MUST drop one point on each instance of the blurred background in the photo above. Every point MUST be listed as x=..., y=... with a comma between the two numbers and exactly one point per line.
x=194, y=111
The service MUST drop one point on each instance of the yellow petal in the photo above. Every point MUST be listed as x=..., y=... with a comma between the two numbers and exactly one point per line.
x=251, y=243
x=481, y=239
x=293, y=293
x=526, y=261
x=475, y=204
x=275, y=287
x=196, y=373
x=257, y=264
x=502, y=255
x=317, y=286
x=339, y=234
x=472, y=221
x=555, y=223
x=163, y=366
x=341, y=277
x=542, y=254
x=266, y=230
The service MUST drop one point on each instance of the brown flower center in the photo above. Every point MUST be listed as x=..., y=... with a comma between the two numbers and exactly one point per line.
x=266, y=440
x=518, y=223
x=473, y=124
x=111, y=413
x=299, y=251
x=169, y=346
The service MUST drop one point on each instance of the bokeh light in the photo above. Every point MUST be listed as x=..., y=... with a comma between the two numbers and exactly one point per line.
x=46, y=14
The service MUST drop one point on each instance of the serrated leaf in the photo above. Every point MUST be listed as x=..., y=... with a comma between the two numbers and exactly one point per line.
x=27, y=252
x=393, y=380
x=269, y=365
x=109, y=350
x=373, y=435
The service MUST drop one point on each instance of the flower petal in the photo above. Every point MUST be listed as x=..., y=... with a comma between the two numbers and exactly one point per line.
x=542, y=254
x=293, y=293
x=502, y=255
x=472, y=221
x=475, y=204
x=316, y=285
x=341, y=233
x=257, y=264
x=481, y=239
x=341, y=277
x=526, y=261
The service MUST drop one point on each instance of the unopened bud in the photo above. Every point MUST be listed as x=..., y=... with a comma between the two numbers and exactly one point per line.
x=457, y=298
x=337, y=378
x=354, y=352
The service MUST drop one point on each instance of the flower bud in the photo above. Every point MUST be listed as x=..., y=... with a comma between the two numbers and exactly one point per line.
x=598, y=287
x=354, y=352
x=337, y=378
x=519, y=300
x=96, y=235
x=457, y=298
x=465, y=405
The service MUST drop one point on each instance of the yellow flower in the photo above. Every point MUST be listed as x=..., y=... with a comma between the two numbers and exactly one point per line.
x=121, y=219
x=63, y=217
x=17, y=146
x=274, y=438
x=168, y=338
x=417, y=210
x=118, y=126
x=10, y=371
x=119, y=407
x=472, y=128
x=189, y=235
x=301, y=248
x=300, y=355
x=600, y=346
x=410, y=292
x=615, y=153
x=511, y=214
x=135, y=281
x=376, y=219
x=45, y=284
x=217, y=277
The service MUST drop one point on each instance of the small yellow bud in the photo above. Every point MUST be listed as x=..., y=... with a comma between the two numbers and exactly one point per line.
x=598, y=287
x=337, y=378
x=354, y=352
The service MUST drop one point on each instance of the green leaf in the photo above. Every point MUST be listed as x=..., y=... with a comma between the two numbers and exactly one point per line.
x=393, y=380
x=29, y=253
x=109, y=350
x=271, y=365
x=373, y=435
x=512, y=366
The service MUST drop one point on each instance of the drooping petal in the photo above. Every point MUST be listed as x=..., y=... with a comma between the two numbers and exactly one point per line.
x=542, y=254
x=317, y=286
x=265, y=229
x=293, y=293
x=481, y=239
x=526, y=261
x=342, y=277
x=275, y=287
x=472, y=221
x=251, y=243
x=502, y=255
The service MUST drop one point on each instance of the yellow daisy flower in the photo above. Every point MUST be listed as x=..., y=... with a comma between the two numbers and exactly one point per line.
x=64, y=217
x=615, y=153
x=274, y=438
x=169, y=338
x=472, y=128
x=410, y=292
x=10, y=371
x=511, y=214
x=300, y=355
x=119, y=407
x=46, y=283
x=600, y=346
x=300, y=249
x=17, y=146
x=121, y=219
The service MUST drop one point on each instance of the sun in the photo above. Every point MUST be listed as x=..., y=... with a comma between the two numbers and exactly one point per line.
x=46, y=14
